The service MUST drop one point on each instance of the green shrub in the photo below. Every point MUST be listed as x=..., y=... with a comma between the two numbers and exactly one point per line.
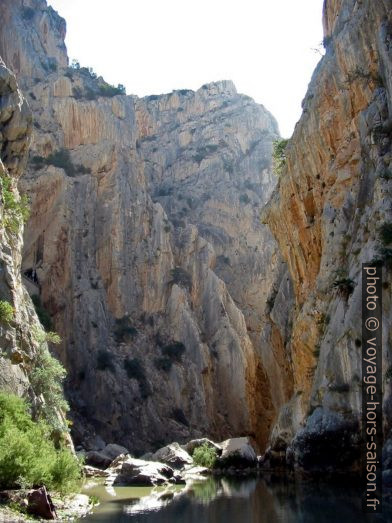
x=123, y=329
x=135, y=370
x=46, y=378
x=386, y=174
x=105, y=361
x=110, y=90
x=181, y=277
x=28, y=457
x=28, y=13
x=279, y=155
x=42, y=313
x=345, y=287
x=163, y=363
x=385, y=257
x=204, y=152
x=77, y=93
x=152, y=97
x=174, y=350
x=61, y=159
x=223, y=259
x=16, y=210
x=6, y=312
x=386, y=233
x=244, y=198
x=205, y=456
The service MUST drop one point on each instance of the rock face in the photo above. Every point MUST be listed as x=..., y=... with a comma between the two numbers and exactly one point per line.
x=146, y=248
x=129, y=471
x=326, y=213
x=180, y=315
x=17, y=344
x=237, y=452
x=173, y=455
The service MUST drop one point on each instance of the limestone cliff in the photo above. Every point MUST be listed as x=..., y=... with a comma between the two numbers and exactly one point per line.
x=326, y=213
x=146, y=248
x=21, y=340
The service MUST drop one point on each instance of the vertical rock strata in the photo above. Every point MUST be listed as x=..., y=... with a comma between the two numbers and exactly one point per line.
x=334, y=196
x=148, y=250
x=180, y=315
x=18, y=346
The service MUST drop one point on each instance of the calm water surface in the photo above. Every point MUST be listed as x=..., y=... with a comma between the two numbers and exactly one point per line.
x=231, y=501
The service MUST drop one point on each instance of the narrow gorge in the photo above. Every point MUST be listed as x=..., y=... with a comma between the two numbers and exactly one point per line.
x=198, y=292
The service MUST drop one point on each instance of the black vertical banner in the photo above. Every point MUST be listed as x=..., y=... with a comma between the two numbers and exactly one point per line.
x=371, y=388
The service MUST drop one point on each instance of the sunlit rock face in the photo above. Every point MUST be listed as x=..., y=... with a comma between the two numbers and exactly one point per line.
x=325, y=214
x=170, y=296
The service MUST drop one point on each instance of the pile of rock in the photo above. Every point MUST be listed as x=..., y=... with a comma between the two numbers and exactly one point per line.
x=172, y=464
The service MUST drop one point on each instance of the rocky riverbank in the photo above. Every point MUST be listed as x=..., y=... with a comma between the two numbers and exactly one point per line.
x=173, y=464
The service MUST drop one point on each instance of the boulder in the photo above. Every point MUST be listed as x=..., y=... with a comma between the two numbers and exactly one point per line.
x=195, y=443
x=238, y=453
x=173, y=455
x=40, y=504
x=112, y=450
x=93, y=472
x=128, y=471
x=329, y=442
x=103, y=458
x=94, y=443
x=97, y=459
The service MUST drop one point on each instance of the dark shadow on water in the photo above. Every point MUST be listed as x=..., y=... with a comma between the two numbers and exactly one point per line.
x=224, y=500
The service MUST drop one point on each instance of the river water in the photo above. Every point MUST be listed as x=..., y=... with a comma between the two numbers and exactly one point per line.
x=225, y=500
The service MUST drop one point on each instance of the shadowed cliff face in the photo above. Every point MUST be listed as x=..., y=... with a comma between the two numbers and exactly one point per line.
x=333, y=196
x=148, y=249
x=18, y=346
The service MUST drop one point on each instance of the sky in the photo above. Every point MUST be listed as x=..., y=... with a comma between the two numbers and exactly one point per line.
x=269, y=48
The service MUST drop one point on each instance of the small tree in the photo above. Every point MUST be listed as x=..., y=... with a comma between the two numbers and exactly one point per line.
x=279, y=155
x=6, y=312
x=205, y=456
x=46, y=378
x=28, y=456
x=181, y=277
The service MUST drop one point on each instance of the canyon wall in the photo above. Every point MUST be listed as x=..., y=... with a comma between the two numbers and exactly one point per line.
x=146, y=248
x=326, y=214
x=180, y=314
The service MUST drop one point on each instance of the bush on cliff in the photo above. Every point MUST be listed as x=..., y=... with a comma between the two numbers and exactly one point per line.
x=16, y=209
x=46, y=377
x=42, y=313
x=205, y=456
x=279, y=155
x=6, y=312
x=28, y=457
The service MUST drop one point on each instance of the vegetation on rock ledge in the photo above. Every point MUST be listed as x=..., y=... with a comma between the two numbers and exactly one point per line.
x=28, y=457
x=16, y=210
x=279, y=155
x=205, y=456
x=6, y=312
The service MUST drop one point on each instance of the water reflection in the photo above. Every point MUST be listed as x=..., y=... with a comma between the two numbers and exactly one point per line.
x=266, y=500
